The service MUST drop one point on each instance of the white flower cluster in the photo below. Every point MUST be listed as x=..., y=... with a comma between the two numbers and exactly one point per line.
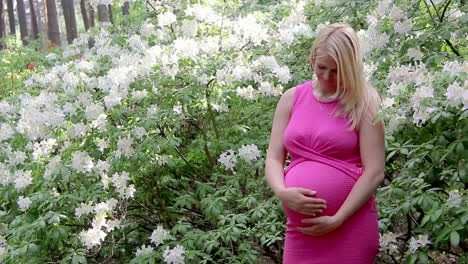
x=24, y=203
x=120, y=182
x=175, y=255
x=294, y=26
x=415, y=244
x=95, y=235
x=166, y=18
x=124, y=147
x=22, y=179
x=248, y=153
x=388, y=243
x=43, y=148
x=159, y=235
x=371, y=39
x=228, y=159
x=457, y=94
x=454, y=68
x=82, y=162
x=455, y=199
x=144, y=250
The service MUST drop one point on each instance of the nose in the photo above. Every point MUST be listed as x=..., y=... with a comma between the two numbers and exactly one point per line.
x=326, y=75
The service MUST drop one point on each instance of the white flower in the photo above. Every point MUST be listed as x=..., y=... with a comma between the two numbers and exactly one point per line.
x=455, y=93
x=414, y=53
x=249, y=153
x=100, y=123
x=92, y=237
x=43, y=148
x=6, y=131
x=423, y=240
x=16, y=158
x=78, y=130
x=159, y=235
x=138, y=95
x=102, y=166
x=124, y=147
x=228, y=159
x=139, y=132
x=84, y=209
x=268, y=89
x=152, y=109
x=186, y=48
x=387, y=239
x=102, y=143
x=455, y=199
x=421, y=115
x=283, y=74
x=147, y=29
x=113, y=224
x=24, y=203
x=387, y=102
x=22, y=179
x=144, y=250
x=93, y=111
x=403, y=27
x=453, y=67
x=395, y=13
x=189, y=28
x=166, y=18
x=175, y=255
x=82, y=162
x=413, y=245
x=52, y=167
x=137, y=44
x=246, y=93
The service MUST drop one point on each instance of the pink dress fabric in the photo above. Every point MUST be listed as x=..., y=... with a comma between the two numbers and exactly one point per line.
x=325, y=158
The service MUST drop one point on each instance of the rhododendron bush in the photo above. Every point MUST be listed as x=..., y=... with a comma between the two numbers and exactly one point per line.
x=148, y=146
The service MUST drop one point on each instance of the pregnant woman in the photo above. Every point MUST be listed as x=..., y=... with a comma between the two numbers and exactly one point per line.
x=337, y=155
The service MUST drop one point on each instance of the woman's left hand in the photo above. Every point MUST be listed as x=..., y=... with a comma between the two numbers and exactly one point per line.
x=320, y=225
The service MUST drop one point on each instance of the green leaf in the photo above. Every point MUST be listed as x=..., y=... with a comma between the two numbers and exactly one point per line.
x=423, y=257
x=454, y=238
x=436, y=215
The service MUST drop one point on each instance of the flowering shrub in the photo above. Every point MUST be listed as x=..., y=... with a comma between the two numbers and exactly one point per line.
x=149, y=146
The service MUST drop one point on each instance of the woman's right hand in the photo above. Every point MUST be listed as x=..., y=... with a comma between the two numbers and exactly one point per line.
x=301, y=200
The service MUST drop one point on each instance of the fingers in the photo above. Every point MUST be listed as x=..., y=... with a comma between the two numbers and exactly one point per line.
x=314, y=200
x=306, y=191
x=307, y=230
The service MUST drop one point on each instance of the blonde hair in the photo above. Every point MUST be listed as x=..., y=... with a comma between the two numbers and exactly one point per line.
x=358, y=99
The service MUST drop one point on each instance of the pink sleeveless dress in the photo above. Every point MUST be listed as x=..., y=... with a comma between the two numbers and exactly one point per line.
x=325, y=158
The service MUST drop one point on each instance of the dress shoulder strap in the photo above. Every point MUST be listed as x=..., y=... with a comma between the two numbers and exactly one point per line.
x=301, y=91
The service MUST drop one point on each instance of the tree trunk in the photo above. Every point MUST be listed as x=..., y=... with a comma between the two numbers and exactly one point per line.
x=91, y=16
x=34, y=27
x=2, y=25
x=84, y=14
x=125, y=8
x=11, y=17
x=53, y=29
x=22, y=21
x=111, y=17
x=103, y=15
x=70, y=19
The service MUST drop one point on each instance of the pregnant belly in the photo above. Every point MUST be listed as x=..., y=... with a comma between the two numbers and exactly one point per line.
x=330, y=184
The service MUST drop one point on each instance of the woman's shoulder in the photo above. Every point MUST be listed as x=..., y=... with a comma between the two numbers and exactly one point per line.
x=289, y=97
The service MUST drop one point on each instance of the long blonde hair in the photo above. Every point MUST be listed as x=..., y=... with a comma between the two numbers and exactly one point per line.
x=358, y=99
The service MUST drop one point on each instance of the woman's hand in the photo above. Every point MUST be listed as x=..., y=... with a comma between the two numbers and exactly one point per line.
x=300, y=200
x=320, y=225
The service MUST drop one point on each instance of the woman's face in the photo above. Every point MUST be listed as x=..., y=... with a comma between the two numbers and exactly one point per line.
x=326, y=70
